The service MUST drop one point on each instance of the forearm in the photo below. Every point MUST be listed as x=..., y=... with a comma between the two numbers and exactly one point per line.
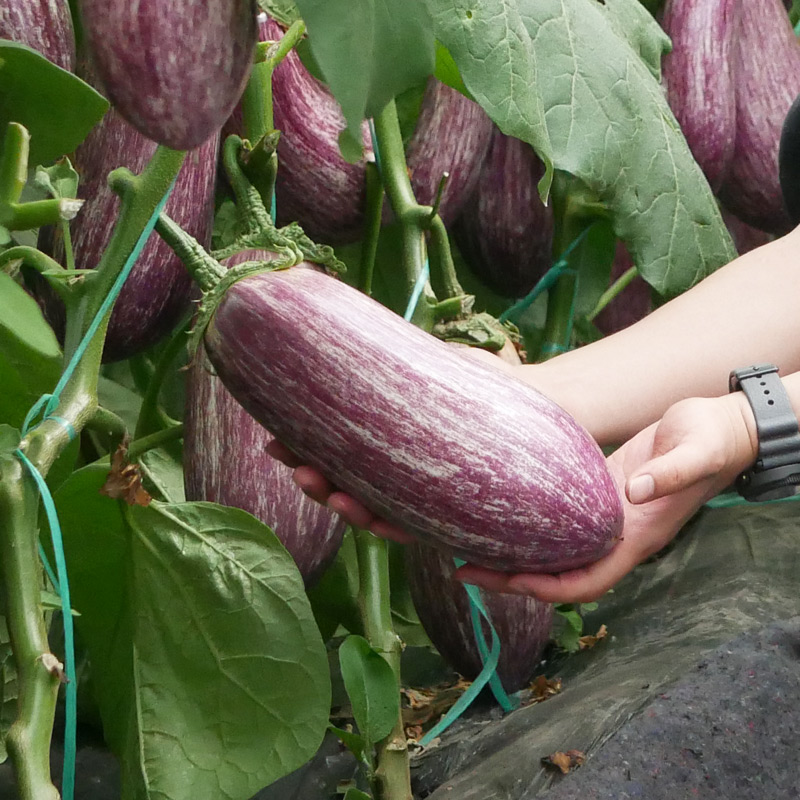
x=747, y=312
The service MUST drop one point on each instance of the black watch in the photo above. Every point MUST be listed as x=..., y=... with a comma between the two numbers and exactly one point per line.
x=776, y=473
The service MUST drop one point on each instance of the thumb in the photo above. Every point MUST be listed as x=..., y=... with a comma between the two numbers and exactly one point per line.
x=676, y=470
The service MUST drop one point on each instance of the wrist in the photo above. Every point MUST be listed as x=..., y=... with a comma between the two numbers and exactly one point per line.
x=744, y=431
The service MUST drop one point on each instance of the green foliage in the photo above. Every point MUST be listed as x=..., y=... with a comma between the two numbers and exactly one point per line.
x=59, y=181
x=568, y=638
x=369, y=51
x=8, y=688
x=371, y=686
x=57, y=108
x=30, y=357
x=203, y=645
x=285, y=11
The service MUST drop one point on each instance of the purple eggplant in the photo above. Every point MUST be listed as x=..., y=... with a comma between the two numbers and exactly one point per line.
x=157, y=292
x=319, y=189
x=767, y=68
x=745, y=237
x=523, y=624
x=225, y=462
x=449, y=448
x=175, y=71
x=44, y=25
x=505, y=232
x=700, y=80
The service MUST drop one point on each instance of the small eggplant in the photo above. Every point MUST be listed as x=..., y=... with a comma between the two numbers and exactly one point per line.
x=523, y=624
x=44, y=25
x=225, y=461
x=505, y=232
x=767, y=65
x=700, y=80
x=157, y=292
x=174, y=71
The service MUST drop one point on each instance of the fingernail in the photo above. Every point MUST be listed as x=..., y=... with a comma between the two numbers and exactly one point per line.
x=641, y=489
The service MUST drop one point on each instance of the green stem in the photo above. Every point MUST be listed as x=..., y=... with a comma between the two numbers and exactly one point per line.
x=293, y=35
x=108, y=424
x=392, y=778
x=372, y=228
x=204, y=269
x=139, y=447
x=249, y=203
x=151, y=416
x=28, y=740
x=616, y=288
x=443, y=270
x=22, y=256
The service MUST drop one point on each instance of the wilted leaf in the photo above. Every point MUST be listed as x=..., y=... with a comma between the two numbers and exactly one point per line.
x=124, y=480
x=564, y=762
x=544, y=688
x=585, y=642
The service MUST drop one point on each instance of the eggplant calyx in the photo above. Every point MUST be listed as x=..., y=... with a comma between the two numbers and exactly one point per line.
x=479, y=330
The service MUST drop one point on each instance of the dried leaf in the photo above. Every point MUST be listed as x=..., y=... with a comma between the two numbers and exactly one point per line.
x=585, y=642
x=544, y=688
x=564, y=762
x=124, y=480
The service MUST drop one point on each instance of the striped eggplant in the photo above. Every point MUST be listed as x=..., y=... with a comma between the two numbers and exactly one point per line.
x=505, y=232
x=157, y=292
x=319, y=189
x=700, y=80
x=767, y=64
x=174, y=71
x=523, y=624
x=745, y=237
x=44, y=25
x=225, y=462
x=449, y=448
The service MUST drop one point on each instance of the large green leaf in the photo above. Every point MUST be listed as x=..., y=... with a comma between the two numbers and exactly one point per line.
x=30, y=358
x=211, y=676
x=591, y=67
x=57, y=108
x=369, y=51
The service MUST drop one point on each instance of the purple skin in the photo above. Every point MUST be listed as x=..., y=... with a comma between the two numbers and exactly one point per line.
x=319, y=189
x=523, y=624
x=44, y=25
x=700, y=81
x=505, y=232
x=225, y=461
x=767, y=68
x=175, y=71
x=442, y=445
x=157, y=292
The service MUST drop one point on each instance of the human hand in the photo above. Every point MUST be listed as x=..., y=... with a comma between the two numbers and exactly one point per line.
x=667, y=472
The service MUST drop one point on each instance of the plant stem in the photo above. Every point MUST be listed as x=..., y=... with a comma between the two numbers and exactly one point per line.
x=28, y=739
x=392, y=778
x=372, y=228
x=35, y=259
x=616, y=288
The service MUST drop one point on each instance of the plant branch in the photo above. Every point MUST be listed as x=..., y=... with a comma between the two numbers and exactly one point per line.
x=616, y=288
x=51, y=270
x=372, y=228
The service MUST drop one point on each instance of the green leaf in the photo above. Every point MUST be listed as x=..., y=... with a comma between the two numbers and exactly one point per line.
x=369, y=51
x=57, y=108
x=593, y=259
x=356, y=794
x=447, y=72
x=5, y=236
x=494, y=53
x=163, y=474
x=371, y=686
x=610, y=126
x=59, y=181
x=285, y=11
x=356, y=744
x=30, y=358
x=8, y=688
x=124, y=402
x=210, y=674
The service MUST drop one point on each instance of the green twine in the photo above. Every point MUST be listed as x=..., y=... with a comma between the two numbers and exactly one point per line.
x=49, y=403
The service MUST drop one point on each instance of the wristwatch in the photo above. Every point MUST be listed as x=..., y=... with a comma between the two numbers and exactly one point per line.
x=776, y=473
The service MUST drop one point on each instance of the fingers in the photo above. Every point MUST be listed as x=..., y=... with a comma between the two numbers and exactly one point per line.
x=673, y=472
x=282, y=453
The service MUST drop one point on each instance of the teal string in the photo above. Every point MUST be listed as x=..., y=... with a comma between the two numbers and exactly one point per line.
x=729, y=499
x=797, y=29
x=547, y=280
x=419, y=285
x=373, y=136
x=59, y=579
x=273, y=208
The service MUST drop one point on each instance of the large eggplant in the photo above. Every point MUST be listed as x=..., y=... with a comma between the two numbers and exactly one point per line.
x=505, y=232
x=157, y=292
x=319, y=189
x=174, y=71
x=700, y=80
x=767, y=81
x=225, y=461
x=466, y=457
x=44, y=25
x=523, y=624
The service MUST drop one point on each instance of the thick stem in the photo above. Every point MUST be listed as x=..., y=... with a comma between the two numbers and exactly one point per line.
x=28, y=740
x=205, y=269
x=392, y=778
x=372, y=228
x=249, y=203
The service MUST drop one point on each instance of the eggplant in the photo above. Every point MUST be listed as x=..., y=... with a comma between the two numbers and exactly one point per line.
x=447, y=447
x=157, y=292
x=316, y=187
x=700, y=78
x=523, y=624
x=175, y=71
x=44, y=25
x=505, y=232
x=225, y=461
x=631, y=304
x=767, y=65
x=745, y=237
